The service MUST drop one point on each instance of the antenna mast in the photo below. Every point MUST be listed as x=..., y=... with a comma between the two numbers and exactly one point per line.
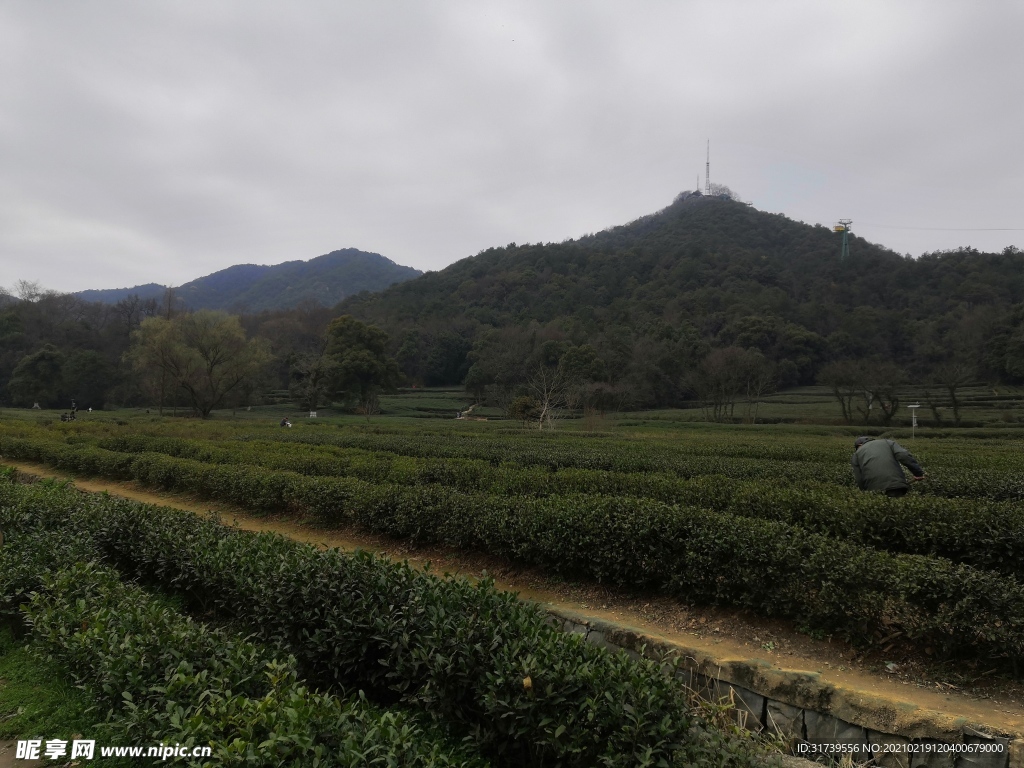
x=707, y=172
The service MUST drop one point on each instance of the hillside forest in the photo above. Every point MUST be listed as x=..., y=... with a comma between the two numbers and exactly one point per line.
x=708, y=301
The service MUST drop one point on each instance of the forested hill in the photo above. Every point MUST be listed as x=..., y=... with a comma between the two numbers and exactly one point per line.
x=253, y=288
x=712, y=272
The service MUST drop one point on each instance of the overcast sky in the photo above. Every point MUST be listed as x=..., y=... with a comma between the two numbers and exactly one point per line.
x=161, y=141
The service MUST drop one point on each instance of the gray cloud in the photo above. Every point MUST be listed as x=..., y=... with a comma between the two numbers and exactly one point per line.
x=161, y=141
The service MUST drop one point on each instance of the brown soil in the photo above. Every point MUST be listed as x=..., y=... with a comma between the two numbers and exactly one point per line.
x=8, y=750
x=976, y=694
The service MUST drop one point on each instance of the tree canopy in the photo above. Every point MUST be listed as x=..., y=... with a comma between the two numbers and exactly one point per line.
x=655, y=296
x=360, y=367
x=641, y=307
x=205, y=354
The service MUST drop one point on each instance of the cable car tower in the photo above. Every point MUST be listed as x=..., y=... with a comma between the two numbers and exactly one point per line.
x=843, y=226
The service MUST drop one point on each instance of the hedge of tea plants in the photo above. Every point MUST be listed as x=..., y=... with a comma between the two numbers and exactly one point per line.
x=976, y=531
x=980, y=532
x=980, y=466
x=165, y=678
x=773, y=566
x=478, y=662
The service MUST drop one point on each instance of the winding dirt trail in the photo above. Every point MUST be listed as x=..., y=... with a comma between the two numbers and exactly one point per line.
x=727, y=635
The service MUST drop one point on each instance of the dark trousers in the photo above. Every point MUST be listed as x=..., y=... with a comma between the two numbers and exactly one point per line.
x=896, y=493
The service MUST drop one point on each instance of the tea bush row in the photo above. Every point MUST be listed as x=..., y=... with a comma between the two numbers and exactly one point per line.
x=982, y=532
x=985, y=534
x=166, y=678
x=613, y=455
x=769, y=566
x=995, y=475
x=473, y=658
x=119, y=641
x=548, y=470
x=996, y=459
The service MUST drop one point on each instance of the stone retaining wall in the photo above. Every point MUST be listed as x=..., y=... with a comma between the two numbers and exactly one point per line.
x=807, y=711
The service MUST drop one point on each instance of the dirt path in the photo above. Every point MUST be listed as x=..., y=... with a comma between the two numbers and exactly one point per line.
x=727, y=635
x=8, y=759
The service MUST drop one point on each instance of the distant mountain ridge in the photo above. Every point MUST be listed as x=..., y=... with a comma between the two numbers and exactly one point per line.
x=326, y=279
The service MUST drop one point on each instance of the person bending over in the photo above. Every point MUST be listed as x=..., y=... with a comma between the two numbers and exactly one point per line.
x=876, y=466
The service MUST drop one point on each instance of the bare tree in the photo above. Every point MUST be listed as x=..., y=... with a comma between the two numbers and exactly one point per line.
x=865, y=403
x=718, y=381
x=846, y=380
x=861, y=385
x=549, y=386
x=885, y=385
x=720, y=190
x=28, y=290
x=952, y=376
x=132, y=310
x=759, y=378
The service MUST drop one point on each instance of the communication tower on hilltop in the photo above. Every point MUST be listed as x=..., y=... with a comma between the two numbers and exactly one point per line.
x=843, y=227
x=707, y=172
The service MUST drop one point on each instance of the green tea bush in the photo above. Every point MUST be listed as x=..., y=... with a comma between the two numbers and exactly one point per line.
x=474, y=658
x=985, y=534
x=166, y=678
x=770, y=566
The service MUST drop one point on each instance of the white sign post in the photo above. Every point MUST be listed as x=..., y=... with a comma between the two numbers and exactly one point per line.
x=913, y=419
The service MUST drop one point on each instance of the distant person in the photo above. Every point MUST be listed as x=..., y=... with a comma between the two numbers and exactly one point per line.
x=285, y=422
x=876, y=466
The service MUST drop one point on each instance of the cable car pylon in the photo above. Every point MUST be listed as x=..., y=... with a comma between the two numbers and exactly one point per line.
x=843, y=227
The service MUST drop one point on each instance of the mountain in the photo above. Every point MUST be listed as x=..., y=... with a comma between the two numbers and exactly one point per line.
x=640, y=315
x=712, y=272
x=326, y=279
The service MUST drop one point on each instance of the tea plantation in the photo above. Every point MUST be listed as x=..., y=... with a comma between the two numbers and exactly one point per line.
x=762, y=518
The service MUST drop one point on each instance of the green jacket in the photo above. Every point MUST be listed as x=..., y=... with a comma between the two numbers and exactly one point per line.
x=876, y=466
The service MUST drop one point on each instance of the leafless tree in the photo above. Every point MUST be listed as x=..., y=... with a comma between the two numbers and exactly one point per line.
x=885, y=384
x=132, y=310
x=718, y=381
x=721, y=190
x=549, y=387
x=759, y=378
x=28, y=290
x=846, y=380
x=952, y=376
x=861, y=386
